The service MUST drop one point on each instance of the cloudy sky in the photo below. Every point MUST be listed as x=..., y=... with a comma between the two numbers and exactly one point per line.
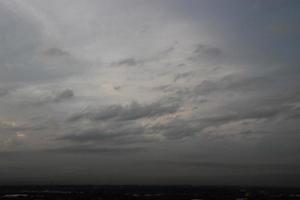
x=150, y=92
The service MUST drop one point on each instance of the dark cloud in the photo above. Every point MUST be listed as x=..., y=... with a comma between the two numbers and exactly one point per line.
x=111, y=133
x=4, y=92
x=133, y=111
x=136, y=111
x=64, y=95
x=205, y=53
x=56, y=52
x=129, y=62
x=294, y=114
x=168, y=50
x=261, y=106
x=268, y=94
x=164, y=88
x=56, y=97
x=255, y=113
x=183, y=128
x=91, y=135
x=202, y=49
x=182, y=76
x=118, y=87
x=176, y=129
x=97, y=150
x=74, y=149
x=235, y=82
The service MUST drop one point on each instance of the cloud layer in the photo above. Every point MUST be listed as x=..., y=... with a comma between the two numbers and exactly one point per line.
x=202, y=84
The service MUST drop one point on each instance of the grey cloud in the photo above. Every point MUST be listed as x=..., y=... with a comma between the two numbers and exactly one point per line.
x=109, y=133
x=259, y=111
x=182, y=76
x=118, y=87
x=234, y=82
x=294, y=114
x=176, y=129
x=74, y=149
x=131, y=61
x=64, y=95
x=265, y=113
x=108, y=113
x=91, y=135
x=183, y=128
x=272, y=89
x=164, y=88
x=250, y=113
x=164, y=53
x=264, y=104
x=57, y=97
x=56, y=52
x=268, y=94
x=105, y=114
x=137, y=139
x=266, y=108
x=4, y=92
x=204, y=52
x=124, y=133
x=97, y=150
x=128, y=62
x=168, y=51
x=245, y=112
x=207, y=50
x=133, y=111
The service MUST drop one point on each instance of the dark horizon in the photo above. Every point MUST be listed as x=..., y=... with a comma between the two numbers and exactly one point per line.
x=148, y=192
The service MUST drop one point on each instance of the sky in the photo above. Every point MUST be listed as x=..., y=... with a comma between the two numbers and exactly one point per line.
x=150, y=92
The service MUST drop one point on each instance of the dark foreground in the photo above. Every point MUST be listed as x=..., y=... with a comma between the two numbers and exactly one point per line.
x=145, y=192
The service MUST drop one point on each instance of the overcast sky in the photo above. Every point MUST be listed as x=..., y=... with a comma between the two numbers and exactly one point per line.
x=150, y=92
